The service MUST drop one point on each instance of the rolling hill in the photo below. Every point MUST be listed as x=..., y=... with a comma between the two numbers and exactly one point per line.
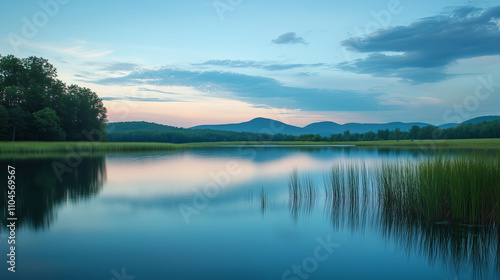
x=270, y=126
x=257, y=125
x=146, y=131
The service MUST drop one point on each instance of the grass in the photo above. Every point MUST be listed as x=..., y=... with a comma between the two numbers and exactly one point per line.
x=464, y=188
x=302, y=193
x=85, y=147
x=113, y=147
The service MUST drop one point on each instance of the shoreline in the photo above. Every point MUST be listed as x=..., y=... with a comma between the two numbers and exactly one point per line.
x=31, y=147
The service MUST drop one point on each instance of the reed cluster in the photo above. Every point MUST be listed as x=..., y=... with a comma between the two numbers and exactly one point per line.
x=463, y=188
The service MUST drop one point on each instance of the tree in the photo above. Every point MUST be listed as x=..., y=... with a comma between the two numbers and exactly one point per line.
x=4, y=124
x=29, y=86
x=397, y=134
x=48, y=125
x=414, y=131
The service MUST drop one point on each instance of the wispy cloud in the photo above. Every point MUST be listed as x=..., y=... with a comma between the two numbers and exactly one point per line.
x=77, y=51
x=288, y=39
x=120, y=66
x=142, y=99
x=271, y=66
x=255, y=90
x=425, y=48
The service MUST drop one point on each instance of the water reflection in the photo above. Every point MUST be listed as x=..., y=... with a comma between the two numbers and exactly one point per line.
x=257, y=225
x=458, y=247
x=39, y=190
x=350, y=202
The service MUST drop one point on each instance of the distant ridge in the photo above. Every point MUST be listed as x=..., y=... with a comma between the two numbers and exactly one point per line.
x=482, y=119
x=322, y=128
x=471, y=121
x=325, y=128
x=139, y=125
x=257, y=125
x=269, y=126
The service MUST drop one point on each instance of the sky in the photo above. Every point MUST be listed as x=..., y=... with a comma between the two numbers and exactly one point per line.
x=193, y=62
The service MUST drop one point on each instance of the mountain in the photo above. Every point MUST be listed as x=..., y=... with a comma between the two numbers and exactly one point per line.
x=482, y=119
x=322, y=128
x=448, y=125
x=269, y=126
x=153, y=132
x=471, y=121
x=129, y=126
x=257, y=125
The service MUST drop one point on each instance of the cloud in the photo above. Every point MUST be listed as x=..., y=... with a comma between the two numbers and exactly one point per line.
x=288, y=39
x=142, y=99
x=78, y=51
x=156, y=90
x=256, y=64
x=120, y=66
x=254, y=90
x=422, y=51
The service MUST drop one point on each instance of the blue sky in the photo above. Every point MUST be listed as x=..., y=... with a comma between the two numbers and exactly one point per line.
x=186, y=63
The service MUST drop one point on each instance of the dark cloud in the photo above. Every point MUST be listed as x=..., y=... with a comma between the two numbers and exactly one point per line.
x=256, y=64
x=288, y=39
x=423, y=50
x=256, y=90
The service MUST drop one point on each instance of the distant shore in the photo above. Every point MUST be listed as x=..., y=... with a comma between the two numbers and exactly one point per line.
x=9, y=148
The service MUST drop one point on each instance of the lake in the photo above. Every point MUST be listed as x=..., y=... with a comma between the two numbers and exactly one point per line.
x=224, y=213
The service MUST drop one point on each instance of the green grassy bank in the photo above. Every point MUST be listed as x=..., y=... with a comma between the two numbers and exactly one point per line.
x=111, y=147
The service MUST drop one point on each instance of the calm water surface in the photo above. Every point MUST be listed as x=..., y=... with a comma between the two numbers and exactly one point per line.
x=222, y=213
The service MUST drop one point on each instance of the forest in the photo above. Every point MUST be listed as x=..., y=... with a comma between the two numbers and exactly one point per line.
x=36, y=106
x=487, y=129
x=150, y=132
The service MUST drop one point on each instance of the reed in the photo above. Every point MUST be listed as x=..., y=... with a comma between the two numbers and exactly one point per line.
x=302, y=193
x=463, y=188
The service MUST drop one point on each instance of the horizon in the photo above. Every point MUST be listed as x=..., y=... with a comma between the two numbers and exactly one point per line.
x=215, y=62
x=299, y=126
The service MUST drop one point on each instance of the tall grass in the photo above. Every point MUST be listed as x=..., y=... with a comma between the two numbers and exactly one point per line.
x=40, y=148
x=302, y=193
x=463, y=188
x=444, y=207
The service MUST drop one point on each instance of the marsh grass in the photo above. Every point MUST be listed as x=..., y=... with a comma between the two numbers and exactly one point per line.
x=264, y=198
x=39, y=148
x=302, y=193
x=444, y=207
x=24, y=147
x=463, y=188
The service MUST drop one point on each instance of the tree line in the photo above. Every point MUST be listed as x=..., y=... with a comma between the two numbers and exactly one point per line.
x=192, y=135
x=36, y=106
x=179, y=135
x=489, y=129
